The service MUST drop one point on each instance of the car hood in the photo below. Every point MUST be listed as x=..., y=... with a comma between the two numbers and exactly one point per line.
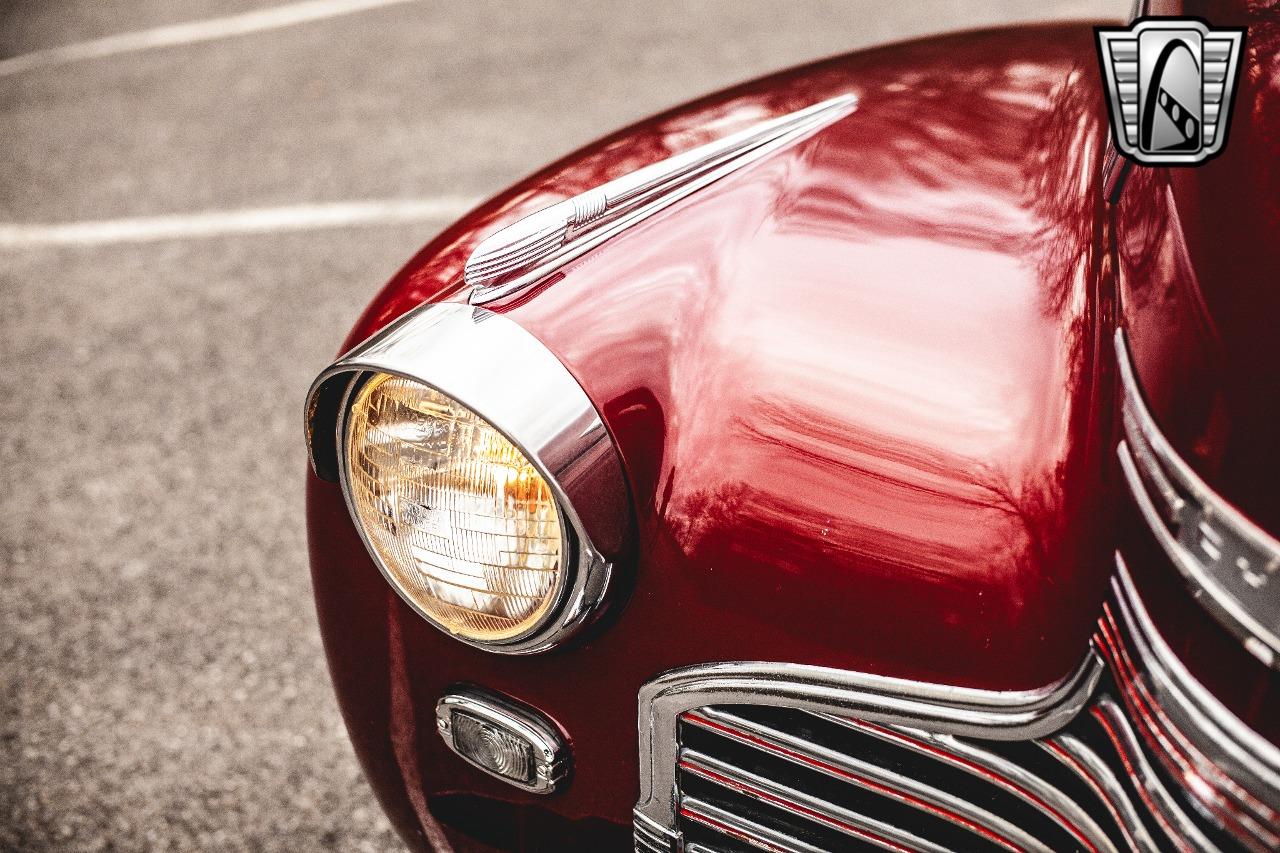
x=854, y=383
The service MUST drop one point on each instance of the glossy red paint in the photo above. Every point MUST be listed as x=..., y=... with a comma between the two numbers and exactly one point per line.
x=1196, y=255
x=856, y=388
x=1198, y=249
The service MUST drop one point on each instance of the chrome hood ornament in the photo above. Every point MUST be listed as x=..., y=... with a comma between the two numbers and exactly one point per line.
x=529, y=249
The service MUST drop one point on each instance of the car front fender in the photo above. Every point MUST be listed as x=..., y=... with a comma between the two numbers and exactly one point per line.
x=856, y=390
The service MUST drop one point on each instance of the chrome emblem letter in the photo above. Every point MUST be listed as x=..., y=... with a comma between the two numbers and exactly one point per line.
x=1170, y=82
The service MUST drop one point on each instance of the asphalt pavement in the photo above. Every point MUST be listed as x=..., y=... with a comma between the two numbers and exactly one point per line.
x=162, y=685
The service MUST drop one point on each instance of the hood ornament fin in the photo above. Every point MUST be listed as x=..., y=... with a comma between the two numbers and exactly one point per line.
x=529, y=249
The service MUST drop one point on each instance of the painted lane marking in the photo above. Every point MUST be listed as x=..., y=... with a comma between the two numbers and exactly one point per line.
x=191, y=33
x=267, y=220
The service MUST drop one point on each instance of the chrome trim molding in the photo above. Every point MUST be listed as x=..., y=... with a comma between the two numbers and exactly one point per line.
x=996, y=770
x=531, y=248
x=1232, y=565
x=504, y=374
x=1115, y=172
x=1011, y=715
x=1079, y=759
x=863, y=774
x=859, y=826
x=651, y=838
x=1164, y=807
x=1226, y=749
x=550, y=752
x=736, y=825
x=1134, y=754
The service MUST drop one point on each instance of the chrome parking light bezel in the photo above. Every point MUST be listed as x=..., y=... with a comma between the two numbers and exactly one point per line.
x=550, y=751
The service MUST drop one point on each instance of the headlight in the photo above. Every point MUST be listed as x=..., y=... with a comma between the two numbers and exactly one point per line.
x=478, y=473
x=464, y=525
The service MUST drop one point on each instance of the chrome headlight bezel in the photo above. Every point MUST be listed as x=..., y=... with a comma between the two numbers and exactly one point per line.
x=495, y=368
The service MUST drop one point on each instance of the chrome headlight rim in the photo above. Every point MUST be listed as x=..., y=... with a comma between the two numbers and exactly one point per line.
x=488, y=364
x=568, y=547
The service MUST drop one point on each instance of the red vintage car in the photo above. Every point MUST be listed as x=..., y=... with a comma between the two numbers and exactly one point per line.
x=863, y=457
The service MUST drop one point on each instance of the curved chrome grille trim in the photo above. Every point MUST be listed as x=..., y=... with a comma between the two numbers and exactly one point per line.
x=1155, y=763
x=651, y=838
x=1220, y=553
x=844, y=821
x=1157, y=797
x=1233, y=771
x=533, y=247
x=869, y=776
x=1013, y=715
x=998, y=771
x=1095, y=773
x=742, y=829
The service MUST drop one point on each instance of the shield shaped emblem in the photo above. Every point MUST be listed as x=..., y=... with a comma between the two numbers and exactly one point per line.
x=1170, y=83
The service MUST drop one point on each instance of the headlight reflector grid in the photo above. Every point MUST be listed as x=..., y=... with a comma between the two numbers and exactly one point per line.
x=464, y=525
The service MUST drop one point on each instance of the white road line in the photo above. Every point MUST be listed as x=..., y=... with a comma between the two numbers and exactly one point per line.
x=267, y=220
x=190, y=33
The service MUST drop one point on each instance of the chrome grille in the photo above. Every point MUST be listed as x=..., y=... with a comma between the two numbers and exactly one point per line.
x=835, y=784
x=1142, y=762
x=758, y=777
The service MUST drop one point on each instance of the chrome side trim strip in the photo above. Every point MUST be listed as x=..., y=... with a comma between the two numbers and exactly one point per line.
x=803, y=806
x=531, y=248
x=1220, y=552
x=873, y=777
x=1072, y=753
x=503, y=373
x=995, y=715
x=1005, y=774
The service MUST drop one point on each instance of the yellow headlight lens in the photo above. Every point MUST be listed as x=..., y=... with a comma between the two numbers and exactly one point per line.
x=466, y=527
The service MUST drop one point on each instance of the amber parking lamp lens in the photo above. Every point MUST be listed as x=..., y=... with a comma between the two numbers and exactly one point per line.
x=463, y=524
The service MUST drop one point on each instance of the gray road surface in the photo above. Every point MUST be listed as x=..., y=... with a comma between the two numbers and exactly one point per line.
x=161, y=680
